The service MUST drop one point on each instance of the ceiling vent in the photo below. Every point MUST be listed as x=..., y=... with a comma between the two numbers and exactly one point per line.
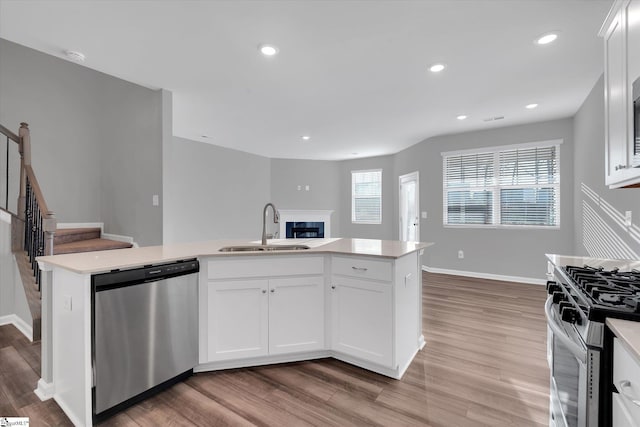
x=491, y=119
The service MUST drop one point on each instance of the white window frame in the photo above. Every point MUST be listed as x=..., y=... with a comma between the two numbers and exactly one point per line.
x=496, y=150
x=353, y=198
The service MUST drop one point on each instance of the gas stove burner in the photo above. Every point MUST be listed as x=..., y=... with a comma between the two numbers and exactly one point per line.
x=612, y=289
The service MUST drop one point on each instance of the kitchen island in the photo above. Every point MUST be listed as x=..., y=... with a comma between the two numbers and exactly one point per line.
x=357, y=300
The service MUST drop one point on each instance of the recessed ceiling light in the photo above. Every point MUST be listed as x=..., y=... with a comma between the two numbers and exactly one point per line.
x=75, y=56
x=268, y=50
x=204, y=136
x=354, y=154
x=306, y=137
x=436, y=68
x=461, y=117
x=547, y=38
x=531, y=106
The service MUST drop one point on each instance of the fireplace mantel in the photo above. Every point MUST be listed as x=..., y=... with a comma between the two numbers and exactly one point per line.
x=297, y=215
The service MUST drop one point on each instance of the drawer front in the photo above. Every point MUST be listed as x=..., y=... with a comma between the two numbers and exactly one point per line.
x=626, y=377
x=264, y=266
x=362, y=268
x=620, y=415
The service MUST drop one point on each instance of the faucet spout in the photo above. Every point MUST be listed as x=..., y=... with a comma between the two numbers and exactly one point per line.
x=276, y=219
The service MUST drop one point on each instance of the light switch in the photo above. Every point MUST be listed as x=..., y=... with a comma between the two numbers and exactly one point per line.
x=156, y=200
x=307, y=187
x=66, y=302
x=627, y=218
x=424, y=215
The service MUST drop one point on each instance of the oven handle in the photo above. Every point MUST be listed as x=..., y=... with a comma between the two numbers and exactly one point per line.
x=577, y=351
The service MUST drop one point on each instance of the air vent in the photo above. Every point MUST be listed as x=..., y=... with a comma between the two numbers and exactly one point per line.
x=491, y=119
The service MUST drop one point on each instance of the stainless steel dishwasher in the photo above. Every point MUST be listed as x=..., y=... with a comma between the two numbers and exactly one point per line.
x=144, y=332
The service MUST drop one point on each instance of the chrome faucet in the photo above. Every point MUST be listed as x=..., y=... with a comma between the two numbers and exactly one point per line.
x=276, y=219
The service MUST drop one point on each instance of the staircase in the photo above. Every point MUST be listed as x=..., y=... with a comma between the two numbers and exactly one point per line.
x=65, y=241
x=74, y=240
x=34, y=231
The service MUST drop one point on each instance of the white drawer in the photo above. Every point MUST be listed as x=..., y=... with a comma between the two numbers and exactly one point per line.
x=264, y=266
x=626, y=377
x=362, y=268
x=620, y=415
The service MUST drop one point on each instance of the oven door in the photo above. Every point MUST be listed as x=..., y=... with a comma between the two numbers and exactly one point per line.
x=569, y=372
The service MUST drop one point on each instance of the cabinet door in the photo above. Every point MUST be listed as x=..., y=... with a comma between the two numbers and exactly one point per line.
x=620, y=415
x=361, y=312
x=616, y=109
x=238, y=319
x=296, y=315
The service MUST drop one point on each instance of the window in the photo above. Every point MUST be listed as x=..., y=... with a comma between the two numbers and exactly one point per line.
x=366, y=197
x=503, y=186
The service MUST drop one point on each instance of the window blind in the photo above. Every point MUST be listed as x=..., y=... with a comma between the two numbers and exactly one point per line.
x=515, y=186
x=366, y=195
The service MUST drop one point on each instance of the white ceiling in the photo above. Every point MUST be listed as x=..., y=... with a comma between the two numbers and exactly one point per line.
x=351, y=74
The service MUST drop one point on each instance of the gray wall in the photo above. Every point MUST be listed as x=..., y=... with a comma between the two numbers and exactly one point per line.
x=511, y=252
x=324, y=181
x=214, y=192
x=96, y=140
x=596, y=232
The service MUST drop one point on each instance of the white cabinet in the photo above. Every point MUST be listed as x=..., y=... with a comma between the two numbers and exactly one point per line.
x=621, y=33
x=626, y=378
x=361, y=316
x=248, y=316
x=376, y=310
x=296, y=314
x=238, y=319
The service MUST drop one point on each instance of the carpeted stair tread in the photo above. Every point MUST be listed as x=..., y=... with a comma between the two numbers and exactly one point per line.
x=68, y=235
x=89, y=245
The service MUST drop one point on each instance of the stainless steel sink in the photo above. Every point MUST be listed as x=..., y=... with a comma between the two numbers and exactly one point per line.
x=262, y=248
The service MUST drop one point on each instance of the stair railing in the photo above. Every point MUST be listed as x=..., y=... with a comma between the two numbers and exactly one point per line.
x=38, y=222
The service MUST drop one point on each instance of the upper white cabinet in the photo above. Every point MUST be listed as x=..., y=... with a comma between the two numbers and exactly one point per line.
x=621, y=33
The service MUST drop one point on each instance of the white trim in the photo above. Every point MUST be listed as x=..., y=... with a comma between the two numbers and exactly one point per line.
x=65, y=225
x=499, y=148
x=5, y=216
x=21, y=325
x=119, y=238
x=490, y=276
x=44, y=390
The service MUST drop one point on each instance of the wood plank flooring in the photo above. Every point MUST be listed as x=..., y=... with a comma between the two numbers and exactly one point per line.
x=484, y=365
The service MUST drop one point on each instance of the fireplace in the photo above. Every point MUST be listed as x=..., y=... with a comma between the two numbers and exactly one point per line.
x=305, y=224
x=300, y=230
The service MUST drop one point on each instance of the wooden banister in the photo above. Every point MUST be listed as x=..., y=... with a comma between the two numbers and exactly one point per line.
x=39, y=222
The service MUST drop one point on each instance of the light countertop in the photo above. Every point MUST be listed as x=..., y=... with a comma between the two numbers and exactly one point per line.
x=102, y=261
x=629, y=333
x=607, y=264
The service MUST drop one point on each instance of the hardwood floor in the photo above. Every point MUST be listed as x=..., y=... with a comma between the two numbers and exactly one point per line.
x=484, y=365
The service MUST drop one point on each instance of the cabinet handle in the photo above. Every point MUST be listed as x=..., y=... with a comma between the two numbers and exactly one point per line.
x=264, y=291
x=273, y=290
x=360, y=268
x=333, y=286
x=619, y=167
x=624, y=384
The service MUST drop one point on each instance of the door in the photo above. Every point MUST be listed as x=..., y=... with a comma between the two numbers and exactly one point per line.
x=238, y=319
x=296, y=314
x=409, y=207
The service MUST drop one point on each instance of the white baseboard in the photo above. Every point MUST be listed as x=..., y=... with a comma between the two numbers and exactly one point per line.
x=120, y=238
x=21, y=325
x=44, y=390
x=503, y=278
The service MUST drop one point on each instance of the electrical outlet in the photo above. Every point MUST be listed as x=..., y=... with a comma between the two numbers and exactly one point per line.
x=460, y=254
x=627, y=218
x=299, y=187
x=424, y=215
x=155, y=200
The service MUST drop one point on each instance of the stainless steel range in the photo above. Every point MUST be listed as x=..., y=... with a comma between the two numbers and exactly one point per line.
x=580, y=347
